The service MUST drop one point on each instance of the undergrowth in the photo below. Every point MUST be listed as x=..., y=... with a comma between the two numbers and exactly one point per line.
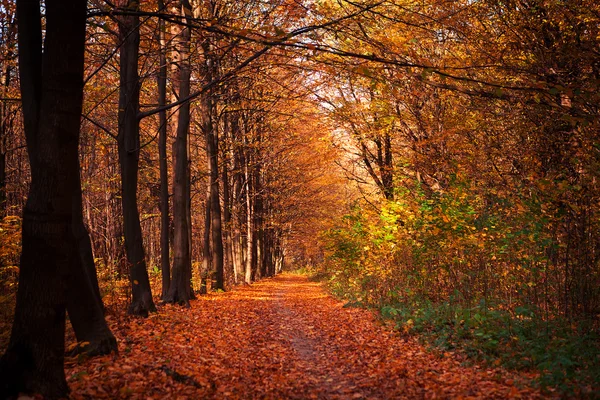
x=493, y=276
x=567, y=355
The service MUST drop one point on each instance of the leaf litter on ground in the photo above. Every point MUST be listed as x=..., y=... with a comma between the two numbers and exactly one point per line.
x=280, y=338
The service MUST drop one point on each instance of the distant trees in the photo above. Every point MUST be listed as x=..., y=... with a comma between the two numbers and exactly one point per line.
x=9, y=99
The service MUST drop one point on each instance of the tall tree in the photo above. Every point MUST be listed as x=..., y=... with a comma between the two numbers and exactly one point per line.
x=162, y=149
x=50, y=269
x=209, y=128
x=180, y=290
x=129, y=156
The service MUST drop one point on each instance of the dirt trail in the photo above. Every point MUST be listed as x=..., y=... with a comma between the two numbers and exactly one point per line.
x=281, y=338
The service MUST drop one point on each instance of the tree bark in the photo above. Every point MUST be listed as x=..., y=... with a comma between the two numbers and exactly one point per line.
x=162, y=150
x=215, y=210
x=7, y=112
x=129, y=153
x=84, y=303
x=238, y=257
x=258, y=210
x=212, y=154
x=229, y=269
x=3, y=134
x=250, y=257
x=206, y=250
x=5, y=129
x=180, y=290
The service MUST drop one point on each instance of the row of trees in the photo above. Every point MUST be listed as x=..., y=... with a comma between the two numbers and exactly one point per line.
x=239, y=95
x=162, y=81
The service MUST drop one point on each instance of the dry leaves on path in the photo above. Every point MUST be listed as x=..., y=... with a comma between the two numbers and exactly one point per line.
x=279, y=338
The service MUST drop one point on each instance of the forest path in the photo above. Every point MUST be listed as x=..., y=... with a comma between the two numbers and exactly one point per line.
x=281, y=338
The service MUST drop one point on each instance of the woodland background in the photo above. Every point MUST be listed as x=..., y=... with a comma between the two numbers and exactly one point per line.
x=438, y=160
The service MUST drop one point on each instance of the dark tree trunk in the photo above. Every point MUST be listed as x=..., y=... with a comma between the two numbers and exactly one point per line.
x=250, y=256
x=212, y=154
x=84, y=303
x=215, y=210
x=162, y=150
x=229, y=269
x=206, y=254
x=6, y=113
x=3, y=134
x=237, y=206
x=261, y=270
x=51, y=268
x=180, y=290
x=129, y=154
x=387, y=175
x=5, y=128
x=384, y=163
x=188, y=215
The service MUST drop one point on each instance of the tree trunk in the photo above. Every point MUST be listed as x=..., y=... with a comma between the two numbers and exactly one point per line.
x=260, y=268
x=238, y=258
x=249, y=230
x=206, y=254
x=162, y=150
x=387, y=176
x=50, y=259
x=6, y=114
x=180, y=292
x=212, y=154
x=129, y=153
x=215, y=210
x=229, y=269
x=3, y=135
x=84, y=303
x=188, y=215
x=5, y=128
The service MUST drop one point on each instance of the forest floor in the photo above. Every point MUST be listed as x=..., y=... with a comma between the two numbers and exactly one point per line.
x=280, y=338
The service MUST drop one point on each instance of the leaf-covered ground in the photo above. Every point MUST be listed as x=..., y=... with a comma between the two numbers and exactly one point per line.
x=279, y=338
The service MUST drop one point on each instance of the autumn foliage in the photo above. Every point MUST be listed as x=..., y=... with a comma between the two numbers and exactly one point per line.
x=437, y=162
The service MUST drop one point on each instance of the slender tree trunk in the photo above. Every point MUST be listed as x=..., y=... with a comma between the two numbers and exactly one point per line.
x=230, y=273
x=188, y=215
x=260, y=267
x=386, y=167
x=180, y=292
x=3, y=135
x=84, y=303
x=215, y=210
x=5, y=128
x=6, y=114
x=236, y=206
x=206, y=272
x=249, y=228
x=129, y=153
x=162, y=150
x=212, y=153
